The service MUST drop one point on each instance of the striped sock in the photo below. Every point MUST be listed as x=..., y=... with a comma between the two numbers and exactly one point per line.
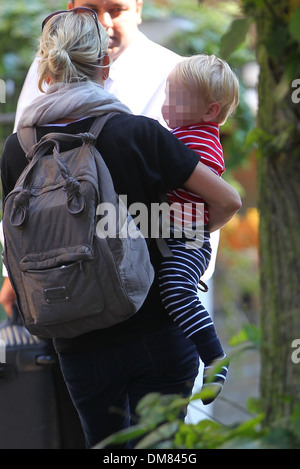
x=214, y=377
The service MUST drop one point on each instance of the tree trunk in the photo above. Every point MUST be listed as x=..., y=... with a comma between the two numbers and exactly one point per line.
x=279, y=206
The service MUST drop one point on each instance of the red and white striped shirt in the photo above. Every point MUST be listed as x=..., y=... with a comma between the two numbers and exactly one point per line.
x=204, y=139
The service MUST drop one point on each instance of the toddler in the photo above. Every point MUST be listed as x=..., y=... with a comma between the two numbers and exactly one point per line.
x=201, y=92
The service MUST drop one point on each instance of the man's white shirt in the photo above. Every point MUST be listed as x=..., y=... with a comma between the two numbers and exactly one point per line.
x=138, y=76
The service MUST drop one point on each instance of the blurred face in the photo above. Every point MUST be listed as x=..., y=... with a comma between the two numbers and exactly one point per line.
x=120, y=18
x=182, y=107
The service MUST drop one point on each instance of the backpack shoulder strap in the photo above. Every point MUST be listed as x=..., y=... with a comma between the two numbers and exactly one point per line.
x=99, y=123
x=27, y=138
x=95, y=129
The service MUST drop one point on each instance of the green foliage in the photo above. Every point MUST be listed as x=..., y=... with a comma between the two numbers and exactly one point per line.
x=20, y=27
x=249, y=335
x=160, y=427
x=234, y=134
x=208, y=25
x=282, y=42
x=211, y=435
x=294, y=25
x=212, y=33
x=20, y=21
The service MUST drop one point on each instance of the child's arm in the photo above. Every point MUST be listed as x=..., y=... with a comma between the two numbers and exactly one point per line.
x=222, y=199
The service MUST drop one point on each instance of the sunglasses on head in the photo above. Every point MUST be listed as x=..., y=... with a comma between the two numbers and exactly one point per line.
x=78, y=10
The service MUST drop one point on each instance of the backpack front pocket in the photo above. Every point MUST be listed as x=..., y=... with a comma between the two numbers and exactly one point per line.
x=60, y=285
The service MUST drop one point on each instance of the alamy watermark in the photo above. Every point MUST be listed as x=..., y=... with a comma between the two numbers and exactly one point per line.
x=2, y=92
x=296, y=93
x=296, y=353
x=163, y=220
x=2, y=351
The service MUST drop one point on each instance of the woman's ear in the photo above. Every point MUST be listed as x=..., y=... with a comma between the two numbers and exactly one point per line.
x=105, y=62
x=212, y=112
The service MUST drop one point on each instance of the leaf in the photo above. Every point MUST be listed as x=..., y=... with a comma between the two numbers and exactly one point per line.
x=122, y=436
x=259, y=137
x=254, y=405
x=155, y=408
x=235, y=36
x=239, y=338
x=294, y=25
x=254, y=334
x=216, y=368
x=165, y=431
x=249, y=333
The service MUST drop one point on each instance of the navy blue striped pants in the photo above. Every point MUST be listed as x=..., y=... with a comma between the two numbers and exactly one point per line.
x=178, y=279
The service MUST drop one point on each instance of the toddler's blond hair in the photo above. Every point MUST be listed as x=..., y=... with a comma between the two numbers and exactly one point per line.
x=213, y=79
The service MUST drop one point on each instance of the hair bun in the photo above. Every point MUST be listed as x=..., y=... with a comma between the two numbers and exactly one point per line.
x=58, y=58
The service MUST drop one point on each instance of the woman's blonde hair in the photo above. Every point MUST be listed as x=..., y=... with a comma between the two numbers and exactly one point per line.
x=213, y=79
x=70, y=47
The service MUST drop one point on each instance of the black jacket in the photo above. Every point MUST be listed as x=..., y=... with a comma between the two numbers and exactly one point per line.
x=144, y=159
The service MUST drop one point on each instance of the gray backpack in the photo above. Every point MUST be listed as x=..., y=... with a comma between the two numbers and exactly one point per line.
x=69, y=276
